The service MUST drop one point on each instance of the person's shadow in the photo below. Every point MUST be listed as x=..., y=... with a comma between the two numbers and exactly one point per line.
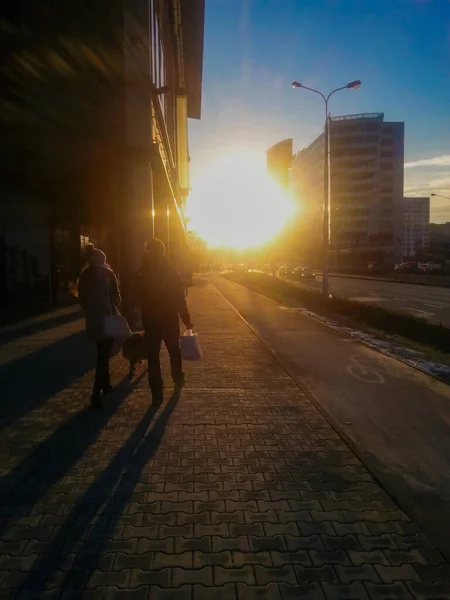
x=28, y=382
x=54, y=457
x=103, y=503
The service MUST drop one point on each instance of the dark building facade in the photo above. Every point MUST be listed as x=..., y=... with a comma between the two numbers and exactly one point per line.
x=278, y=165
x=131, y=181
x=279, y=161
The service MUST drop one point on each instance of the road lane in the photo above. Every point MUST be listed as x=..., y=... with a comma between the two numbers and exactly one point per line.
x=429, y=302
x=398, y=417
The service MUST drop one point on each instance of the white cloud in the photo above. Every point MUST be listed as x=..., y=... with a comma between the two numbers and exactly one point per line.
x=440, y=184
x=437, y=161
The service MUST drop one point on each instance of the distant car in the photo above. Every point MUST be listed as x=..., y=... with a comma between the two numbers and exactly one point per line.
x=407, y=267
x=286, y=272
x=303, y=274
x=242, y=268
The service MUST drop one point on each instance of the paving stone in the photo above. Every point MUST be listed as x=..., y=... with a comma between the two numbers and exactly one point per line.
x=184, y=560
x=328, y=557
x=298, y=557
x=223, y=592
x=429, y=591
x=397, y=591
x=203, y=576
x=140, y=577
x=113, y=593
x=401, y=573
x=238, y=543
x=363, y=573
x=375, y=557
x=202, y=559
x=183, y=592
x=309, y=574
x=119, y=579
x=311, y=591
x=353, y=591
x=203, y=544
x=429, y=574
x=267, y=543
x=265, y=575
x=345, y=542
x=242, y=574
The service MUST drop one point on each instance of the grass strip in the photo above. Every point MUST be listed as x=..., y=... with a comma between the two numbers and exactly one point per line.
x=391, y=322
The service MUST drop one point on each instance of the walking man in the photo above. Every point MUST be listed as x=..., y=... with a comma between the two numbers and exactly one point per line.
x=163, y=302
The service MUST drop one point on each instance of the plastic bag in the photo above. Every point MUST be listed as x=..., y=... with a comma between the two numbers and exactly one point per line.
x=116, y=326
x=189, y=346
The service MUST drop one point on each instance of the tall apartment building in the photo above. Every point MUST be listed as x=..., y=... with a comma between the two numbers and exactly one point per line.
x=366, y=192
x=416, y=226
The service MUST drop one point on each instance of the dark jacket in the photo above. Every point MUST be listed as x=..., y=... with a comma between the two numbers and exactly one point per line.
x=160, y=292
x=98, y=294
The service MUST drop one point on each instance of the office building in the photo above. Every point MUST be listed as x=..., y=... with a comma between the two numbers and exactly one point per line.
x=279, y=161
x=416, y=226
x=366, y=190
x=278, y=164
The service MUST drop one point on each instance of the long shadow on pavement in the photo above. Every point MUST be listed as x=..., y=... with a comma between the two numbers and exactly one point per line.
x=100, y=510
x=26, y=329
x=51, y=460
x=26, y=383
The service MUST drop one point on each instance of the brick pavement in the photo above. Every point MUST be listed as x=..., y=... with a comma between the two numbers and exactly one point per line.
x=238, y=490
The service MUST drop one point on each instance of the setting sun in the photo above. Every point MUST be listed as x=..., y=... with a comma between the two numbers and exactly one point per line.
x=234, y=203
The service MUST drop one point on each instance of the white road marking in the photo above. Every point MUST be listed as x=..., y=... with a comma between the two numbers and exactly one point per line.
x=399, y=299
x=363, y=373
x=434, y=305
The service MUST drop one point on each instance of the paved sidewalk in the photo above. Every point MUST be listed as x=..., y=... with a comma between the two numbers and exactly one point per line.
x=239, y=489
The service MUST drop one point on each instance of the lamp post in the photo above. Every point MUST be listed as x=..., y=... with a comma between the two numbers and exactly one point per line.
x=440, y=196
x=326, y=196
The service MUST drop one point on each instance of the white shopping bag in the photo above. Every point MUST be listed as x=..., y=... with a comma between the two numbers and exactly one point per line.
x=189, y=346
x=116, y=326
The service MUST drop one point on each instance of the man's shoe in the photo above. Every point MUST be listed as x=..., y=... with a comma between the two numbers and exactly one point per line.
x=108, y=389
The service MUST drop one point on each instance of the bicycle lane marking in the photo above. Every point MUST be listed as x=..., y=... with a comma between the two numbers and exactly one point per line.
x=364, y=373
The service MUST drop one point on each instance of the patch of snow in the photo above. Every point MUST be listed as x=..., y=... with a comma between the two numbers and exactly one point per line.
x=411, y=357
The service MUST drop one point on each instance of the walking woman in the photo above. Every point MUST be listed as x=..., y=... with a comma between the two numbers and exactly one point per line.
x=99, y=297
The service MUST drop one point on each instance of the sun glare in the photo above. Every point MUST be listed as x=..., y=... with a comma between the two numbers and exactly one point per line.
x=234, y=203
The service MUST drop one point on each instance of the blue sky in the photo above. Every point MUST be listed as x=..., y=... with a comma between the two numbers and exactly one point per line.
x=400, y=49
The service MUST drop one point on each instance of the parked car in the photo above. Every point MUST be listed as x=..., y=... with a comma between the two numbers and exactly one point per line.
x=303, y=274
x=407, y=267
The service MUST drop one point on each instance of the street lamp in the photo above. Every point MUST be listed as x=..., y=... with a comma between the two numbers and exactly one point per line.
x=440, y=196
x=326, y=214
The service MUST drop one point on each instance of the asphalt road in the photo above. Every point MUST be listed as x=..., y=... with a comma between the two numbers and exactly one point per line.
x=429, y=302
x=397, y=417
